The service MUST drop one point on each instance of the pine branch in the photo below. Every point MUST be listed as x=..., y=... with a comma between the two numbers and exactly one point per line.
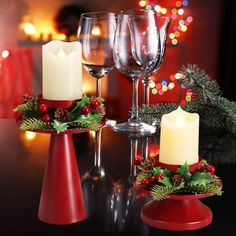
x=209, y=188
x=33, y=123
x=159, y=192
x=215, y=111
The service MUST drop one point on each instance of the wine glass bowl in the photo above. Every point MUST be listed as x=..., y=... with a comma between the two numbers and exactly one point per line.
x=96, y=32
x=163, y=23
x=136, y=52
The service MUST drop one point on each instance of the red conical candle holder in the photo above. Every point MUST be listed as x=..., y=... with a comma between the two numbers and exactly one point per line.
x=61, y=199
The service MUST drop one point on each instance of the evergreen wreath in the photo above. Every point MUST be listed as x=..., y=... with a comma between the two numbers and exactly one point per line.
x=162, y=182
x=87, y=113
x=215, y=111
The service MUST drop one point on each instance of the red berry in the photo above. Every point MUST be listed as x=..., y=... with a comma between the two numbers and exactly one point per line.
x=95, y=104
x=145, y=182
x=154, y=178
x=18, y=114
x=137, y=160
x=46, y=118
x=86, y=110
x=19, y=121
x=161, y=176
x=210, y=169
x=43, y=108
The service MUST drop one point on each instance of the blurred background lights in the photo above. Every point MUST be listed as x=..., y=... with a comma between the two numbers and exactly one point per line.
x=29, y=28
x=142, y=3
x=178, y=12
x=5, y=53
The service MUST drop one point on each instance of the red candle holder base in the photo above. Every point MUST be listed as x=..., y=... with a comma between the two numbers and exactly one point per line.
x=61, y=199
x=177, y=213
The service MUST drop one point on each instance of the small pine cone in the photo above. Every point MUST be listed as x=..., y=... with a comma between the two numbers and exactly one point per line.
x=62, y=115
x=27, y=98
x=177, y=179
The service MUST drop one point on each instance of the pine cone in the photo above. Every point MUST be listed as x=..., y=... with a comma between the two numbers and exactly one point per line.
x=177, y=179
x=62, y=115
x=27, y=98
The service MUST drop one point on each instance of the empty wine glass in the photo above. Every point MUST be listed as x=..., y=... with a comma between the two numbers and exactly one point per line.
x=96, y=33
x=136, y=53
x=163, y=25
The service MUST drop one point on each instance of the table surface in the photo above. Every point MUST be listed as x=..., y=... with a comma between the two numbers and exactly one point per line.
x=112, y=204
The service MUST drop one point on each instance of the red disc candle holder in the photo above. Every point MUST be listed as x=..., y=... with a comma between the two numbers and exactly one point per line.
x=61, y=199
x=178, y=212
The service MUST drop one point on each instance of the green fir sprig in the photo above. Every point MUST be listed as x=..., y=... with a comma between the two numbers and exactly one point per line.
x=215, y=111
x=162, y=182
x=87, y=113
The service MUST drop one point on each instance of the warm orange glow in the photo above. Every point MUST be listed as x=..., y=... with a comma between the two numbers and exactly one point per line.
x=30, y=135
x=92, y=133
x=142, y=3
x=96, y=31
x=29, y=28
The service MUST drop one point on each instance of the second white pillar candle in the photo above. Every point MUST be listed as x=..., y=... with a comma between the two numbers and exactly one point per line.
x=179, y=139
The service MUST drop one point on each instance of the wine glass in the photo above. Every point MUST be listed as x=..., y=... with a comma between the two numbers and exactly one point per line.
x=96, y=33
x=136, y=54
x=126, y=201
x=163, y=25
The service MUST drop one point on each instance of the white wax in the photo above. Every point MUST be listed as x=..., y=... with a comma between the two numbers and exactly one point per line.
x=62, y=70
x=179, y=138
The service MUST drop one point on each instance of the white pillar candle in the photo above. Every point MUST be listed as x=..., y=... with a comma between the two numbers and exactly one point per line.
x=62, y=70
x=179, y=138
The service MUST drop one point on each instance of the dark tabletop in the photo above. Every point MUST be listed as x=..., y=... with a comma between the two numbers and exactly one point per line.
x=112, y=203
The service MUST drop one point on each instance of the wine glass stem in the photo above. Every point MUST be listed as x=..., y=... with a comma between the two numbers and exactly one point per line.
x=145, y=148
x=134, y=115
x=97, y=153
x=133, y=154
x=98, y=87
x=146, y=91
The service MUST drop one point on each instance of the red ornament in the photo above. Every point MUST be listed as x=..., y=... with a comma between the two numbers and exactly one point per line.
x=86, y=110
x=19, y=121
x=95, y=104
x=145, y=182
x=161, y=176
x=43, y=108
x=137, y=160
x=46, y=118
x=210, y=169
x=154, y=179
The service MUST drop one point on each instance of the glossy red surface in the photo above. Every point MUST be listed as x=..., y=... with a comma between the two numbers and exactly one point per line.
x=61, y=199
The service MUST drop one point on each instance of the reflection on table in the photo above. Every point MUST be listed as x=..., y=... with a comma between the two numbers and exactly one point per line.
x=112, y=203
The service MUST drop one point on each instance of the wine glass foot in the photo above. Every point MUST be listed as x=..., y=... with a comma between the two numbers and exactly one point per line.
x=142, y=129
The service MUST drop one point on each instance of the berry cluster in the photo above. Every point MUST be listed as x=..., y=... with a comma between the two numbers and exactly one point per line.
x=34, y=113
x=93, y=106
x=151, y=173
